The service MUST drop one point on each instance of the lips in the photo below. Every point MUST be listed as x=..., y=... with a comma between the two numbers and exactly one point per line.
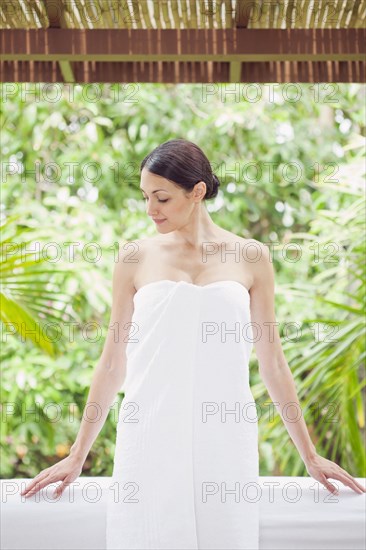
x=159, y=221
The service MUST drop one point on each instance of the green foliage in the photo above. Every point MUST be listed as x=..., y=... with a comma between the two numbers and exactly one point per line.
x=327, y=353
x=291, y=166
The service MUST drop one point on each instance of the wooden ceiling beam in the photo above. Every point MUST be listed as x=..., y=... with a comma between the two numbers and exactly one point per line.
x=242, y=18
x=243, y=10
x=55, y=10
x=224, y=45
x=174, y=73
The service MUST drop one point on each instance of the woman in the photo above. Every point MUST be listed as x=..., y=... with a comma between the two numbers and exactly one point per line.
x=186, y=460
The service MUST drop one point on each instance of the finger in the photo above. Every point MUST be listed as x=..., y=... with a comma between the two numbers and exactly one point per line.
x=354, y=481
x=40, y=485
x=27, y=488
x=347, y=480
x=60, y=489
x=328, y=485
x=357, y=487
x=40, y=477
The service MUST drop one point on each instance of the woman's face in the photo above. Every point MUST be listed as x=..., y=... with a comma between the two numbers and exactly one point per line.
x=168, y=202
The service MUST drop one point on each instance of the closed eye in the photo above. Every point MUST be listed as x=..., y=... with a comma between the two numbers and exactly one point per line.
x=159, y=200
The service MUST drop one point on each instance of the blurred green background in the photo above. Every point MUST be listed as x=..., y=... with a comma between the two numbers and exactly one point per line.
x=291, y=160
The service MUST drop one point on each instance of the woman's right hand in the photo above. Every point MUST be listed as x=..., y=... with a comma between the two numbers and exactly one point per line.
x=67, y=470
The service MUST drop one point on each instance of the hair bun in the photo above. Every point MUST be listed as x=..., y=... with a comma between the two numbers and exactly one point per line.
x=216, y=181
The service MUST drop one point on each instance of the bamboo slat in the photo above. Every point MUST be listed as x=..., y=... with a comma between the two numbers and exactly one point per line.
x=69, y=16
x=136, y=15
x=126, y=15
x=211, y=16
x=272, y=15
x=39, y=15
x=165, y=14
x=312, y=9
x=346, y=12
x=278, y=15
x=101, y=7
x=145, y=18
x=183, y=7
x=148, y=15
x=323, y=8
x=355, y=15
x=157, y=24
x=80, y=14
x=189, y=13
x=176, y=17
x=195, y=14
x=123, y=15
x=227, y=17
x=108, y=15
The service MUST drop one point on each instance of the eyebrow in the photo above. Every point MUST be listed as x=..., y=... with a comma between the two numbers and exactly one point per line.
x=156, y=190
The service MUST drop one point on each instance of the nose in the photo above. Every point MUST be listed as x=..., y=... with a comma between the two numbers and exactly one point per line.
x=150, y=210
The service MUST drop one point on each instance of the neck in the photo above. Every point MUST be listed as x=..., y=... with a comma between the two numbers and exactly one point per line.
x=200, y=228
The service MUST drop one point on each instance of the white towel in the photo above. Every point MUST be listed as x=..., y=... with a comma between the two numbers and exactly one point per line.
x=186, y=461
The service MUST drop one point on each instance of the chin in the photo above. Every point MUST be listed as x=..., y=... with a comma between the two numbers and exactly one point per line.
x=163, y=229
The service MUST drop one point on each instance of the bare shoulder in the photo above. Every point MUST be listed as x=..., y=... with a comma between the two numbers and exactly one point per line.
x=259, y=256
x=133, y=251
x=255, y=256
x=131, y=257
x=251, y=249
x=127, y=260
x=256, y=251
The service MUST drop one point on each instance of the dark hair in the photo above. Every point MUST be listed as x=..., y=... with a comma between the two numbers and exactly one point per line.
x=183, y=163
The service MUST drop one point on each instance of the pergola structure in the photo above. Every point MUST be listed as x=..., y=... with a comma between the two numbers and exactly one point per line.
x=182, y=41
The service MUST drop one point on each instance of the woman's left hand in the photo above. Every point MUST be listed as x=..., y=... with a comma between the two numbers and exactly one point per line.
x=321, y=468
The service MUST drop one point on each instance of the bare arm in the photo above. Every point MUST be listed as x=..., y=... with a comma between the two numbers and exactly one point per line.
x=110, y=370
x=277, y=376
x=273, y=367
x=107, y=380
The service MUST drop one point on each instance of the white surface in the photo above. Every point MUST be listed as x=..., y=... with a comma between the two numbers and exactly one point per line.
x=315, y=520
x=169, y=452
x=178, y=447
